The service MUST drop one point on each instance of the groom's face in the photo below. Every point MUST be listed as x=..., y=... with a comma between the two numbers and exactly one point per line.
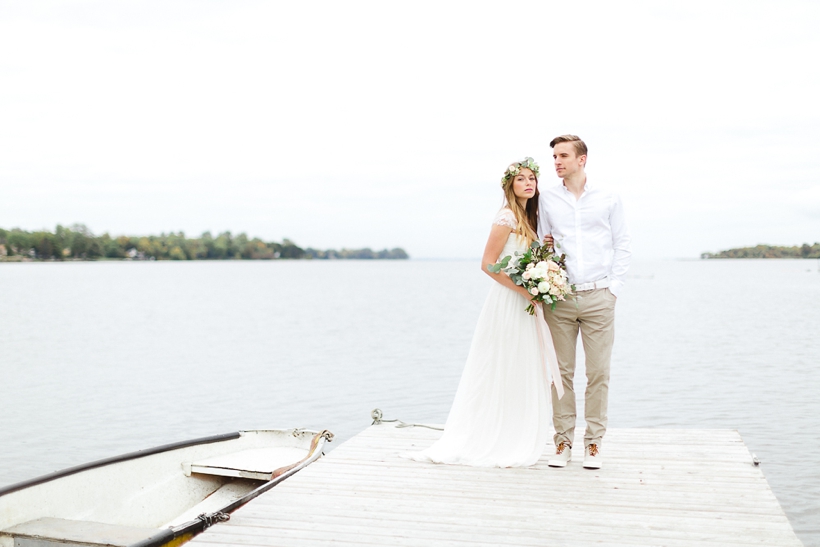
x=567, y=162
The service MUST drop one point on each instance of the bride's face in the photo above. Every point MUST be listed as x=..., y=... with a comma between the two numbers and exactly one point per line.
x=524, y=184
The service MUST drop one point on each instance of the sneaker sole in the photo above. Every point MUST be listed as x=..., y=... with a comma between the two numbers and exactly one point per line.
x=561, y=463
x=592, y=465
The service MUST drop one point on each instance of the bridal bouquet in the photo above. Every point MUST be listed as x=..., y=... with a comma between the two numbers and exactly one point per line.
x=540, y=270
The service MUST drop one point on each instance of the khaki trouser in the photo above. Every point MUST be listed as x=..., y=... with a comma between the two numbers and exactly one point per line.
x=594, y=313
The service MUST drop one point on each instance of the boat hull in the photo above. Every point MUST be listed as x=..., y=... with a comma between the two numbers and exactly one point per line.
x=151, y=490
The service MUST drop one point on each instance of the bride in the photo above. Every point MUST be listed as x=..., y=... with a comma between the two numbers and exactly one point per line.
x=501, y=413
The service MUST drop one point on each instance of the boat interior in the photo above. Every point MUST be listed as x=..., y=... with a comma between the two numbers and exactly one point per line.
x=125, y=501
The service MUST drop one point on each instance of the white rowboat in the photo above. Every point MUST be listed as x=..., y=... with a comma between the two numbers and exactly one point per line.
x=160, y=496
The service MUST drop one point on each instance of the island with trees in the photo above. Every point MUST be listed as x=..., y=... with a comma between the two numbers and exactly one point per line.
x=769, y=251
x=78, y=243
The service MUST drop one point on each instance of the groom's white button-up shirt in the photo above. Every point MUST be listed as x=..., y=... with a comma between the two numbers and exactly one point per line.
x=592, y=232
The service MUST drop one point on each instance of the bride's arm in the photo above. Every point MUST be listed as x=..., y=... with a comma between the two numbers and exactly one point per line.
x=495, y=244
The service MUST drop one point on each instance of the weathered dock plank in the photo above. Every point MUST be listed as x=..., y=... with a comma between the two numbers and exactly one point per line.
x=658, y=487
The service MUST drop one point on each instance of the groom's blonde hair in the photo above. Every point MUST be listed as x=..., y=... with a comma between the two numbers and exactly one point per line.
x=579, y=145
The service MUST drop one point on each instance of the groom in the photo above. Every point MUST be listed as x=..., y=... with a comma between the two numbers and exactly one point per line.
x=587, y=223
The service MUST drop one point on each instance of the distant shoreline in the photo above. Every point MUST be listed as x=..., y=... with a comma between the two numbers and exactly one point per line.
x=77, y=243
x=768, y=251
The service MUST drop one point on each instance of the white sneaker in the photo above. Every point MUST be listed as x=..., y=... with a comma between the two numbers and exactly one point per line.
x=592, y=457
x=563, y=454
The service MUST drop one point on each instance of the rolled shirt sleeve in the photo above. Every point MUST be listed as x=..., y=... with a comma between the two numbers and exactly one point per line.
x=621, y=246
x=544, y=226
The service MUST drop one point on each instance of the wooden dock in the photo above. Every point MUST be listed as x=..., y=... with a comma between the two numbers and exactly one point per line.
x=658, y=487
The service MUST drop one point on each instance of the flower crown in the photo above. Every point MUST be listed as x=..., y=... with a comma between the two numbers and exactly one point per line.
x=513, y=170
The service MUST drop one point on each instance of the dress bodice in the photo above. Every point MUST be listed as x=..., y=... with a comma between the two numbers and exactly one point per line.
x=514, y=245
x=506, y=217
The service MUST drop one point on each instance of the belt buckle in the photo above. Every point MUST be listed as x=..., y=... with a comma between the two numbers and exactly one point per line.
x=591, y=286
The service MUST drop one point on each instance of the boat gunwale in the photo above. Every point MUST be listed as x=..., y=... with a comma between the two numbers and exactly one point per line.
x=117, y=459
x=184, y=532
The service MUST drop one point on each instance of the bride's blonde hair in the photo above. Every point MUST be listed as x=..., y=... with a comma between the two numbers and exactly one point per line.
x=526, y=218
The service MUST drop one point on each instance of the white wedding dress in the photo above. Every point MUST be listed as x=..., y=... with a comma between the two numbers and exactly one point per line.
x=501, y=415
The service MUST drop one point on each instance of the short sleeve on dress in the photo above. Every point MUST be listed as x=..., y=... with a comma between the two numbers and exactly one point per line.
x=505, y=217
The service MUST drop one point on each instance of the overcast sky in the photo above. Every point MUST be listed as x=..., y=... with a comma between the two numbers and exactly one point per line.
x=383, y=124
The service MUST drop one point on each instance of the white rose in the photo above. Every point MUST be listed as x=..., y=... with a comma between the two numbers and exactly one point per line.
x=525, y=275
x=544, y=287
x=555, y=290
x=553, y=267
x=534, y=291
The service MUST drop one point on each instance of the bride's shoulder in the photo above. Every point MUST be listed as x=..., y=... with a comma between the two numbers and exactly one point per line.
x=505, y=217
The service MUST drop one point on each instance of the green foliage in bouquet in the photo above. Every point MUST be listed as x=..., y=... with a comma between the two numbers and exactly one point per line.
x=531, y=270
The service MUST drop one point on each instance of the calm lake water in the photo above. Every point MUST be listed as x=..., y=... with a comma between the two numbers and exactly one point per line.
x=98, y=359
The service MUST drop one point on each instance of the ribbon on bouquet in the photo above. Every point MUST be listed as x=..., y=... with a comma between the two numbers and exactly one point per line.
x=548, y=350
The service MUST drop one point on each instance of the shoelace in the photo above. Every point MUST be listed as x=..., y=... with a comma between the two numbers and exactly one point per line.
x=593, y=450
x=561, y=447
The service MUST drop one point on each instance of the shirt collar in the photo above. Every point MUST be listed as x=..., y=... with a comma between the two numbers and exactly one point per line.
x=587, y=187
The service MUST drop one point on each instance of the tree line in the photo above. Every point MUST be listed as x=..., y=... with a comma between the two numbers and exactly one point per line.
x=77, y=242
x=769, y=251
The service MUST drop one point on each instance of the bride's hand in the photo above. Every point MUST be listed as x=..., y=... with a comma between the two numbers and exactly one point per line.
x=548, y=240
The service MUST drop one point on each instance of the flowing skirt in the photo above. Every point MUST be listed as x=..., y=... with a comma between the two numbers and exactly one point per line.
x=501, y=415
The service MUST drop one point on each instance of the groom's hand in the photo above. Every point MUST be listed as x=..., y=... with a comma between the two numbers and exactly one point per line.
x=548, y=240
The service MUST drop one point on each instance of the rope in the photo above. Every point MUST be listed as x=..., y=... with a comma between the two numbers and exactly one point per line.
x=212, y=518
x=376, y=414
